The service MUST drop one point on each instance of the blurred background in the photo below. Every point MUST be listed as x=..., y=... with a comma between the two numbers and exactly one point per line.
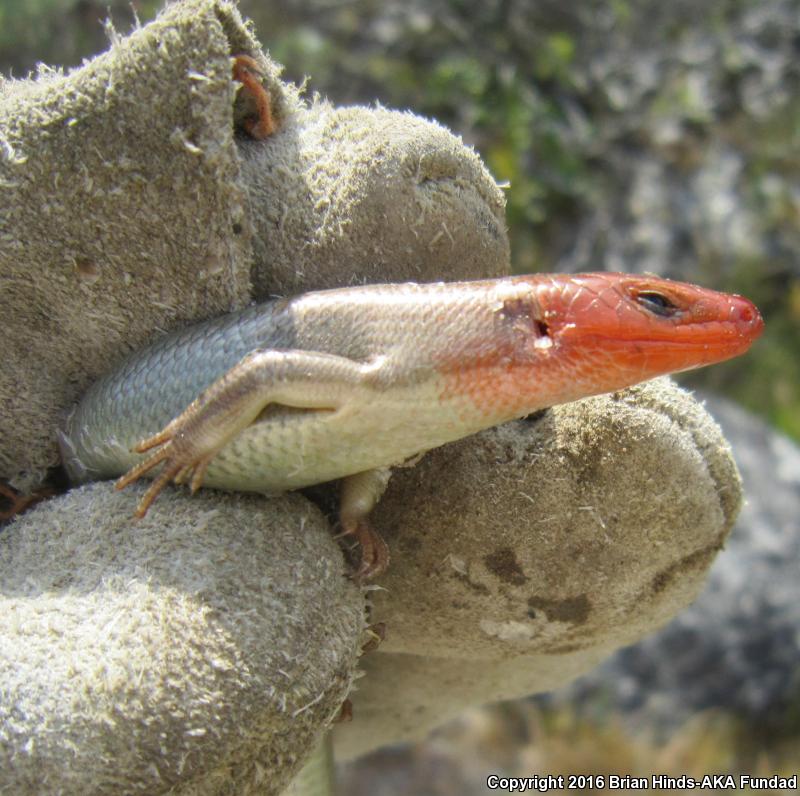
x=634, y=135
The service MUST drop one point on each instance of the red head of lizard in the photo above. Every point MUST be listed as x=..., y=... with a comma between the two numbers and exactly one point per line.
x=569, y=336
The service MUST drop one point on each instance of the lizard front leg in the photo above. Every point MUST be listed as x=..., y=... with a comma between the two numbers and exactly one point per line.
x=303, y=379
x=247, y=72
x=360, y=494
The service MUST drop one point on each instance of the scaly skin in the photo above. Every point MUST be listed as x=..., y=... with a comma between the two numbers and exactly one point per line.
x=346, y=383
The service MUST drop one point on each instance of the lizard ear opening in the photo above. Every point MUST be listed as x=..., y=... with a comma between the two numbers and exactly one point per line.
x=542, y=329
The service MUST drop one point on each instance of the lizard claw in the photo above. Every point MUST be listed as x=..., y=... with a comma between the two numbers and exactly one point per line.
x=374, y=550
x=198, y=472
x=18, y=503
x=178, y=465
x=376, y=634
x=163, y=436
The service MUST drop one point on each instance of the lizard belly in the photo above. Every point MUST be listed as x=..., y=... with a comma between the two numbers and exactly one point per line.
x=288, y=449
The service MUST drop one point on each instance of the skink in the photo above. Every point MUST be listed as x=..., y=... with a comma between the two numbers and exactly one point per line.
x=346, y=383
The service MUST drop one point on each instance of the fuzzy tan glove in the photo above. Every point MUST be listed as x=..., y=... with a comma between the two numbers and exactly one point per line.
x=205, y=649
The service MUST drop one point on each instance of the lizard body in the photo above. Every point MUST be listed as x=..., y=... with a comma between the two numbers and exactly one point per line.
x=346, y=383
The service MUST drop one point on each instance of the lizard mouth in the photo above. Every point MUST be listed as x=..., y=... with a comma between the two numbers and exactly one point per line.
x=648, y=326
x=675, y=352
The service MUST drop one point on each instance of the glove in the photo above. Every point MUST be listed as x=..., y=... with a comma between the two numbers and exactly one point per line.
x=206, y=648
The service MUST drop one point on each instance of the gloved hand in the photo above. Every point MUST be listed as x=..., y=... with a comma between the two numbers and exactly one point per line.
x=524, y=555
x=207, y=647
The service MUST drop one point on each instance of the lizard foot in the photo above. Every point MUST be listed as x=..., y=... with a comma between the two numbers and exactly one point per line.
x=247, y=71
x=18, y=503
x=360, y=493
x=374, y=550
x=181, y=457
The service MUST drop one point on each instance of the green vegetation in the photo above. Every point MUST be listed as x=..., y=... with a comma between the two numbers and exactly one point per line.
x=572, y=121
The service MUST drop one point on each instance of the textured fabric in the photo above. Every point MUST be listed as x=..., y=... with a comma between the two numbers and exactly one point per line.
x=203, y=650
x=122, y=214
x=363, y=195
x=540, y=546
x=133, y=661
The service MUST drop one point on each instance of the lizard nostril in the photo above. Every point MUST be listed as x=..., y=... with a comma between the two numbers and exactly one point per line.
x=746, y=314
x=747, y=317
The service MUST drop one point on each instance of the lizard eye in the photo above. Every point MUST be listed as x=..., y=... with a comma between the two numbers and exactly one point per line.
x=657, y=303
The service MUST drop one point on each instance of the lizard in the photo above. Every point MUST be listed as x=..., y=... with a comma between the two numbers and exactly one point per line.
x=346, y=383
x=247, y=71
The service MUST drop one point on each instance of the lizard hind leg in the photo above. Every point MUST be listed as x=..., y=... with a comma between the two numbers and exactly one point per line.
x=360, y=493
x=295, y=378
